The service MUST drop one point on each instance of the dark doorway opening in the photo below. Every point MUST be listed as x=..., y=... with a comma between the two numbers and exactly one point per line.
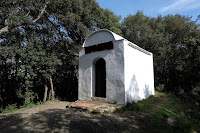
x=100, y=78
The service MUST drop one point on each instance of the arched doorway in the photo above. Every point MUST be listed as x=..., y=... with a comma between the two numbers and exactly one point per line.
x=100, y=78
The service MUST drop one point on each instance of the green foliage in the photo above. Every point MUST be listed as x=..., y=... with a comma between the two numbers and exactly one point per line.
x=9, y=109
x=57, y=98
x=13, y=107
x=181, y=122
x=140, y=106
x=160, y=88
x=39, y=103
x=162, y=107
x=31, y=105
x=28, y=96
x=172, y=108
x=44, y=38
x=111, y=22
x=174, y=42
x=43, y=42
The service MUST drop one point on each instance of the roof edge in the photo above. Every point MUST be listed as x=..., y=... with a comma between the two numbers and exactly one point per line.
x=115, y=36
x=138, y=48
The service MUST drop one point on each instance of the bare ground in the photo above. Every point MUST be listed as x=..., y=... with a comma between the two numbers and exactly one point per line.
x=55, y=117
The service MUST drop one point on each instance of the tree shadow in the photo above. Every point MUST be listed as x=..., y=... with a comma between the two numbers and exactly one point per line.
x=72, y=121
x=147, y=91
x=11, y=124
x=133, y=91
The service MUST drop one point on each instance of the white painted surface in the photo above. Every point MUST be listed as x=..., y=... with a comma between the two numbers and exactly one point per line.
x=139, y=78
x=129, y=69
x=114, y=73
x=101, y=36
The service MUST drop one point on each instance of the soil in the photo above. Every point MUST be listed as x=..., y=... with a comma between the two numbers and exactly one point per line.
x=55, y=117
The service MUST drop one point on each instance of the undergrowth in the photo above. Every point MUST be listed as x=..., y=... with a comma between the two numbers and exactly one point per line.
x=13, y=107
x=166, y=113
x=9, y=109
x=139, y=107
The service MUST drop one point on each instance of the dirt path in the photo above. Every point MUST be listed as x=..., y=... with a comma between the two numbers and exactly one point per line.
x=55, y=117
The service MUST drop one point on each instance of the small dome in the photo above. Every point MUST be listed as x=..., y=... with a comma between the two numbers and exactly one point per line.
x=101, y=36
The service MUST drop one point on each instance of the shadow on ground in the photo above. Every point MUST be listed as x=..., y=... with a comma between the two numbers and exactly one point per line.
x=73, y=121
x=11, y=124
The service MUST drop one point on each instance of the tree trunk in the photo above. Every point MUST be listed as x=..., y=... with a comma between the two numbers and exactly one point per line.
x=1, y=101
x=49, y=95
x=45, y=93
x=52, y=91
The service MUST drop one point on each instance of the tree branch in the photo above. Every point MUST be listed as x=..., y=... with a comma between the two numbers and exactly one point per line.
x=41, y=13
x=5, y=29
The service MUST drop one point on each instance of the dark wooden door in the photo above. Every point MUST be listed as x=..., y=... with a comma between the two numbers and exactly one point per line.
x=100, y=77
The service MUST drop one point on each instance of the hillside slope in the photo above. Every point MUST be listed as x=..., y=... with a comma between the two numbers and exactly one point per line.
x=159, y=113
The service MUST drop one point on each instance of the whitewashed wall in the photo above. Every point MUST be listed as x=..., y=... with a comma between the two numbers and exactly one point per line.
x=139, y=76
x=129, y=69
x=101, y=36
x=114, y=68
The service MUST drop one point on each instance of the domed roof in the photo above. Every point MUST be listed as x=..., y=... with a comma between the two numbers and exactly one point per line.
x=101, y=36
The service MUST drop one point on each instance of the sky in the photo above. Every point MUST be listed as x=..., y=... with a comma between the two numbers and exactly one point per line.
x=152, y=8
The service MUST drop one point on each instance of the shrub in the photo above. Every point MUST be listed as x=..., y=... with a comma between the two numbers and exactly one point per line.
x=140, y=106
x=160, y=88
x=10, y=108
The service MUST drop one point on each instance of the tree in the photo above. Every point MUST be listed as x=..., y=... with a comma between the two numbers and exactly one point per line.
x=174, y=41
x=35, y=33
x=19, y=13
x=37, y=65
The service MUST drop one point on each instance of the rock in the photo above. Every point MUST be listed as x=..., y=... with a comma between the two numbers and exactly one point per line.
x=171, y=120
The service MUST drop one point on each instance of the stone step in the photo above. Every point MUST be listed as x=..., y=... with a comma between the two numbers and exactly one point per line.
x=98, y=99
x=94, y=106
